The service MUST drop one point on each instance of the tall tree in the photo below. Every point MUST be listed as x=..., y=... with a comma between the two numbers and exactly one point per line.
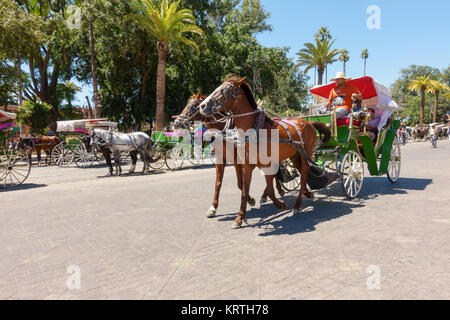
x=436, y=87
x=365, y=56
x=318, y=54
x=344, y=57
x=168, y=24
x=420, y=86
x=323, y=33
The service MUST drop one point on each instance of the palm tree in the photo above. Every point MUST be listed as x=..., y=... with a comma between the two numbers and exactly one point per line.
x=97, y=105
x=344, y=57
x=420, y=86
x=168, y=24
x=322, y=34
x=365, y=56
x=436, y=87
x=319, y=55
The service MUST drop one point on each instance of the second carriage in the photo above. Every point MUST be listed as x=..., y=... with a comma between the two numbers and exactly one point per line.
x=71, y=149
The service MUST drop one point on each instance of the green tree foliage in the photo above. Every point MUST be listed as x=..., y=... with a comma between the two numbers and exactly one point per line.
x=411, y=102
x=36, y=115
x=127, y=59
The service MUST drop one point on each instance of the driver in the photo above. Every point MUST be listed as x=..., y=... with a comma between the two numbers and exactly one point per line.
x=341, y=97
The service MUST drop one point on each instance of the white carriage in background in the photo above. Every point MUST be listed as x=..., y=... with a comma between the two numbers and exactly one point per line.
x=72, y=149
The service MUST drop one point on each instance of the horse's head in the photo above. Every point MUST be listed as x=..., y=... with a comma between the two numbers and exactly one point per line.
x=24, y=144
x=190, y=113
x=87, y=142
x=224, y=98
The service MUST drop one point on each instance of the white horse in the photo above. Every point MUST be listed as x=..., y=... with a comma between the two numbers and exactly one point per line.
x=118, y=142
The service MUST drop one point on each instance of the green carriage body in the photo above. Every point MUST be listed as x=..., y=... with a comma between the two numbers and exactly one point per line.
x=350, y=138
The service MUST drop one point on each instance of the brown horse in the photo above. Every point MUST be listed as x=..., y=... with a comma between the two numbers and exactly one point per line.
x=39, y=144
x=188, y=116
x=297, y=138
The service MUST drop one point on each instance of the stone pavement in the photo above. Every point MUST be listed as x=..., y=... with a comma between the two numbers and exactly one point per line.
x=146, y=237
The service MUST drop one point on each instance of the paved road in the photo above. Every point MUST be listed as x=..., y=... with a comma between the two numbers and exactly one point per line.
x=146, y=237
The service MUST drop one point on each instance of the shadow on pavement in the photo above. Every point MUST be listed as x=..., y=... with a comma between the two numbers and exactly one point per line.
x=331, y=204
x=25, y=186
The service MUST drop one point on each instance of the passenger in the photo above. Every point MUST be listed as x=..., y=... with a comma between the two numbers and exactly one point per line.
x=341, y=98
x=372, y=126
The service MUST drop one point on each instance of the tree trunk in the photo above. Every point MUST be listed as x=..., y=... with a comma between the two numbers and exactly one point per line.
x=436, y=103
x=422, y=106
x=344, y=68
x=365, y=64
x=96, y=98
x=320, y=71
x=163, y=49
x=20, y=102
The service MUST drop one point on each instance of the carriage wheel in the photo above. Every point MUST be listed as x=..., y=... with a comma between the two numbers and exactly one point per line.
x=62, y=156
x=395, y=163
x=294, y=184
x=175, y=158
x=83, y=158
x=352, y=170
x=158, y=158
x=15, y=168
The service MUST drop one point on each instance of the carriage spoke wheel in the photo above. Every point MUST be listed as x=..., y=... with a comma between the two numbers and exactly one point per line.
x=83, y=158
x=158, y=158
x=352, y=170
x=395, y=163
x=294, y=184
x=15, y=168
x=175, y=158
x=62, y=156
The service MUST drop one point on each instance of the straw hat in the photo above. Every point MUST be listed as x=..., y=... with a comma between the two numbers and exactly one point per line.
x=340, y=75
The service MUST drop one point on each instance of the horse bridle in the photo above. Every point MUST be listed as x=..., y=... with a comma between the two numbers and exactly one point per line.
x=228, y=94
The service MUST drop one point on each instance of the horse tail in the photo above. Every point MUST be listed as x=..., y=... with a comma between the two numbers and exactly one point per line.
x=324, y=131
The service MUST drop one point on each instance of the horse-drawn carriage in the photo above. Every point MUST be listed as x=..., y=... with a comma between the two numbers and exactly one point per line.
x=15, y=166
x=343, y=157
x=72, y=149
x=174, y=148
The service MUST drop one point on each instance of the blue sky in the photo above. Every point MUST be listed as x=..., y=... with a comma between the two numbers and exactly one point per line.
x=412, y=32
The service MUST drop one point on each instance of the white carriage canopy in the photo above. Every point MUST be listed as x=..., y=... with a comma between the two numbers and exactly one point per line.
x=84, y=125
x=7, y=116
x=375, y=95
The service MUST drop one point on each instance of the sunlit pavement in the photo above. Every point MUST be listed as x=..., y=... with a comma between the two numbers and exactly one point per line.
x=146, y=237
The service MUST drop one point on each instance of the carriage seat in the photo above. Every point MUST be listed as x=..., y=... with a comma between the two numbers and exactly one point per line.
x=345, y=122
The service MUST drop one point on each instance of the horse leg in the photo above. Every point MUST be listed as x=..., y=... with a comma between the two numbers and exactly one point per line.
x=220, y=169
x=38, y=152
x=107, y=156
x=238, y=168
x=247, y=171
x=302, y=166
x=133, y=156
x=271, y=193
x=116, y=155
x=281, y=192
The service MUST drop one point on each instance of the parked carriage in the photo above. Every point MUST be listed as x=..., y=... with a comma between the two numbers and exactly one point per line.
x=173, y=149
x=342, y=158
x=15, y=166
x=71, y=149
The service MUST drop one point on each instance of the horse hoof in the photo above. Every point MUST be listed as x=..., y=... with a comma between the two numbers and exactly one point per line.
x=284, y=207
x=252, y=202
x=236, y=225
x=211, y=212
x=296, y=212
x=282, y=193
x=263, y=200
